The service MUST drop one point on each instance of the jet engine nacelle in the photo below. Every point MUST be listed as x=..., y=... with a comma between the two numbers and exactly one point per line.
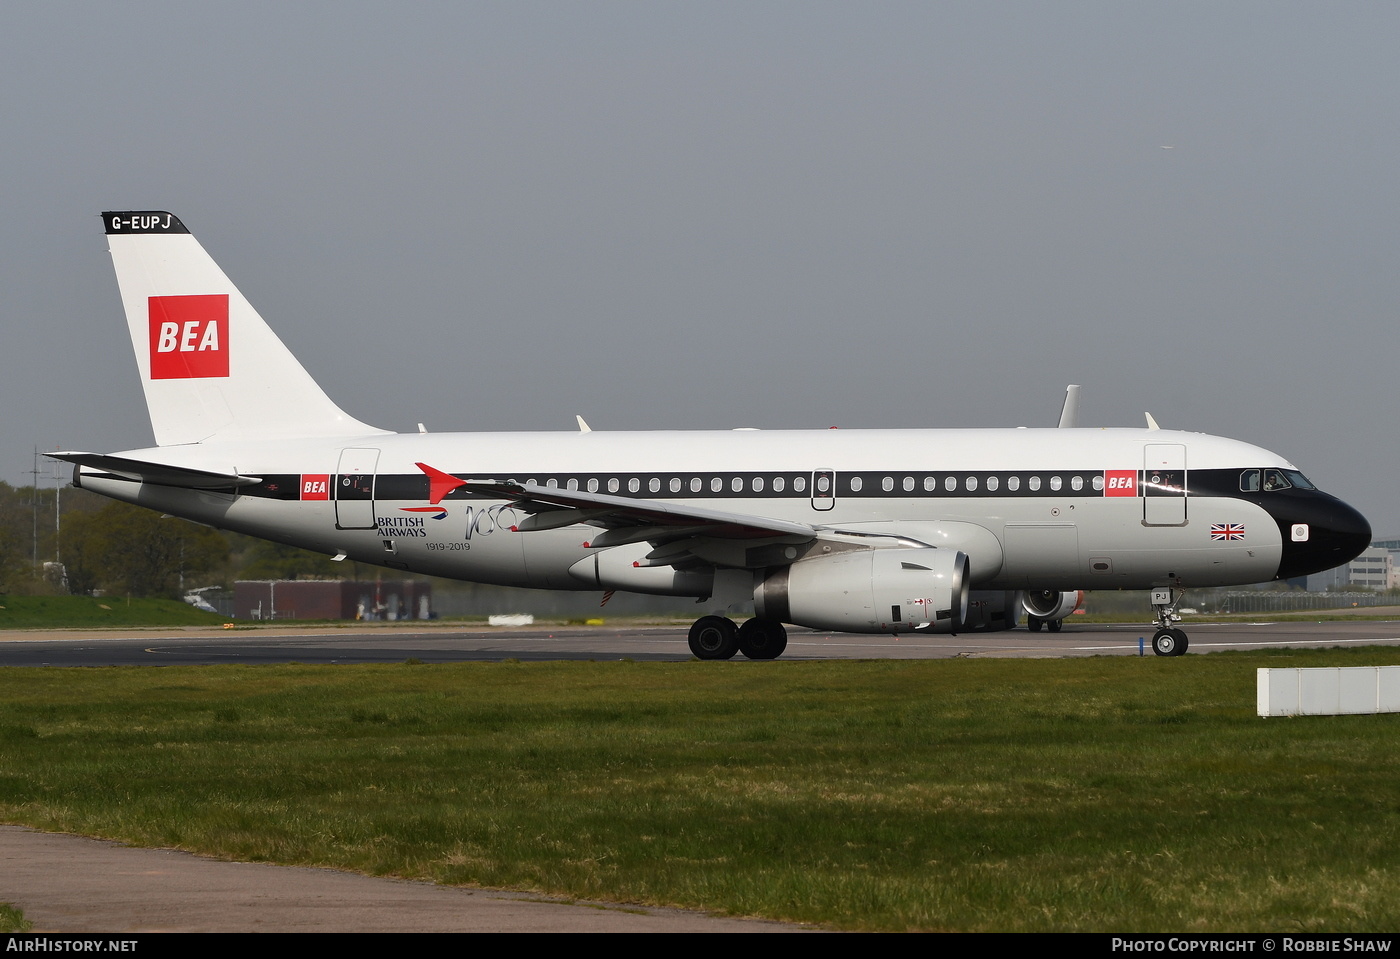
x=1051, y=604
x=869, y=591
x=989, y=610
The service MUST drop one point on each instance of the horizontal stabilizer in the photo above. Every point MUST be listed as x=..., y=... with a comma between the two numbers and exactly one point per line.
x=158, y=474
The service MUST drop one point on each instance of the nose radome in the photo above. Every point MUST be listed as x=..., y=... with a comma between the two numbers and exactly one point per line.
x=1359, y=533
x=1336, y=534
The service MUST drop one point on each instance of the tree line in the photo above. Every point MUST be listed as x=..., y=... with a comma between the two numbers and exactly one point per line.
x=72, y=541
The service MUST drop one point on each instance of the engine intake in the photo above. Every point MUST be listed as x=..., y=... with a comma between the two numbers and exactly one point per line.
x=1052, y=604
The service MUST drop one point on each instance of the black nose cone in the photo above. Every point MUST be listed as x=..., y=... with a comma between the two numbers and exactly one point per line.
x=1319, y=532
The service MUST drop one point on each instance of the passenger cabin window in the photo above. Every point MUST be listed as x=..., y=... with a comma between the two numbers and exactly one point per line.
x=856, y=484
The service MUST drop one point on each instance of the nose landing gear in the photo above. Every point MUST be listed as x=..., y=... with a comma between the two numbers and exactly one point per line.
x=1168, y=640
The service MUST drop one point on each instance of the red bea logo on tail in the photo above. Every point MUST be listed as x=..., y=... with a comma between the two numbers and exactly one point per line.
x=189, y=336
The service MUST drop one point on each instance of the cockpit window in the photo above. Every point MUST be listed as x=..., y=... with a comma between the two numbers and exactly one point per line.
x=1272, y=480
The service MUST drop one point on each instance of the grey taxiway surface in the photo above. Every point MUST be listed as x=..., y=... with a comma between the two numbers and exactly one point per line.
x=71, y=884
x=449, y=643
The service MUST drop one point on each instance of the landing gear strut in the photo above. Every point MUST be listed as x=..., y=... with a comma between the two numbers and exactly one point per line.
x=716, y=637
x=1168, y=640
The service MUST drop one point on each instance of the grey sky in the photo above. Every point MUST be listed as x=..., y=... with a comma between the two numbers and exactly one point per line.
x=493, y=216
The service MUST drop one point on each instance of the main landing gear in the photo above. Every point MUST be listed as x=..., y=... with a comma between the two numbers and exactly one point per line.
x=1033, y=623
x=717, y=637
x=1168, y=640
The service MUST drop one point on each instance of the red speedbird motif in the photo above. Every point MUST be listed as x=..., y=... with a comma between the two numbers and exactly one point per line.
x=439, y=483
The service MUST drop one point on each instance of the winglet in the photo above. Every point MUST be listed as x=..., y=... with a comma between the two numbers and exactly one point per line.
x=1151, y=423
x=582, y=426
x=1069, y=413
x=439, y=483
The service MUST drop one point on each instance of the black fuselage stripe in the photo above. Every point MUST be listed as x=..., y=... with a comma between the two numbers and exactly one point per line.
x=792, y=485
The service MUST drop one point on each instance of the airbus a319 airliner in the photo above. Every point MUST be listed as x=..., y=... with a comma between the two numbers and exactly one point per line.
x=867, y=531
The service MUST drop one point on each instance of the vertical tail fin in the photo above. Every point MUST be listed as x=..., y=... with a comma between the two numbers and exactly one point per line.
x=211, y=367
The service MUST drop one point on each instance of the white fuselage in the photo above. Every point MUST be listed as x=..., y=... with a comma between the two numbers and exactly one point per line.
x=1032, y=508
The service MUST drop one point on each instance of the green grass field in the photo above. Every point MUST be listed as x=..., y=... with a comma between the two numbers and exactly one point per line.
x=1077, y=794
x=12, y=919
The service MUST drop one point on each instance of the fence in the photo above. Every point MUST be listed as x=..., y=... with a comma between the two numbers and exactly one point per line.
x=1280, y=601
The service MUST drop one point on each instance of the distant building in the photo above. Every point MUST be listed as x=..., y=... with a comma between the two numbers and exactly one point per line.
x=332, y=599
x=1391, y=546
x=1377, y=568
x=1374, y=569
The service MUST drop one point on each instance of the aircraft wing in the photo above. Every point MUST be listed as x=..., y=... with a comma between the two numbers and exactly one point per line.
x=682, y=536
x=624, y=519
x=158, y=474
x=686, y=536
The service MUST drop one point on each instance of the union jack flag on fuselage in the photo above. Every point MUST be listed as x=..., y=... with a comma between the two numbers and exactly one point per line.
x=1227, y=531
